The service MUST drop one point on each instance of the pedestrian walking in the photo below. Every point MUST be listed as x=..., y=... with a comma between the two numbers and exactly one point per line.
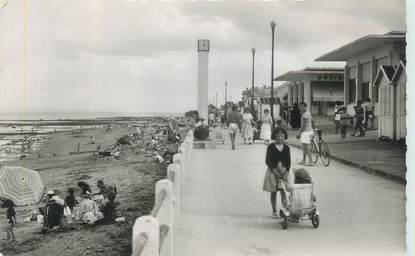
x=233, y=121
x=247, y=130
x=337, y=119
x=368, y=109
x=278, y=161
x=266, y=127
x=306, y=134
x=344, y=121
x=295, y=117
x=359, y=119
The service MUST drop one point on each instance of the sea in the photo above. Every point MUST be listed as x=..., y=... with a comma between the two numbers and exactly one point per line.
x=77, y=115
x=17, y=129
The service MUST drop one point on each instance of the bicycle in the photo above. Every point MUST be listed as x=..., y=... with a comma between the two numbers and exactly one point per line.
x=320, y=148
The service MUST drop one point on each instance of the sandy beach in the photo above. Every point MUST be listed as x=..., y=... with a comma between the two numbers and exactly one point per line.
x=134, y=175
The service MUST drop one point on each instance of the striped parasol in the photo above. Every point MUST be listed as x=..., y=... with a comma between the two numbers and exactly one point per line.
x=21, y=185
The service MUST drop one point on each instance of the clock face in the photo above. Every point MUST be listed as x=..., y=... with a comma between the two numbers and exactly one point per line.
x=203, y=45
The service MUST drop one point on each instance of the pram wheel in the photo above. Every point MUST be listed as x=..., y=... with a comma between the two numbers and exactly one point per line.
x=284, y=221
x=315, y=220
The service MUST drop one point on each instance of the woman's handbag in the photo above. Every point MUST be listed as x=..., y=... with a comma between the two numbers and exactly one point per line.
x=66, y=211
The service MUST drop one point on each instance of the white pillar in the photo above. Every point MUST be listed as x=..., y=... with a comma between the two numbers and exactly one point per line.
x=358, y=82
x=202, y=79
x=346, y=85
x=295, y=93
x=290, y=94
x=307, y=94
x=300, y=91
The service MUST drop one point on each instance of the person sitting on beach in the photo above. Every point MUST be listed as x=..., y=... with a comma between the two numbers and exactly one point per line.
x=51, y=196
x=84, y=187
x=70, y=200
x=53, y=210
x=88, y=210
x=106, y=190
x=109, y=210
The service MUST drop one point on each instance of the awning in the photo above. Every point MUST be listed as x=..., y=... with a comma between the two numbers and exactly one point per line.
x=327, y=93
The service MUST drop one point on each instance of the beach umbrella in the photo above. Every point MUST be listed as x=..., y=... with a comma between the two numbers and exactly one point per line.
x=21, y=185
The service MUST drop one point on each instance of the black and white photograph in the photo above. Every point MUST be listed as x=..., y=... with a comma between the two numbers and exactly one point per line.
x=206, y=128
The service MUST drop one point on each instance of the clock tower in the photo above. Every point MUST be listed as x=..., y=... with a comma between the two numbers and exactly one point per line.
x=203, y=46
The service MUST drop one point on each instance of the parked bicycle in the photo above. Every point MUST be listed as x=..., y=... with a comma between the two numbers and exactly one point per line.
x=320, y=148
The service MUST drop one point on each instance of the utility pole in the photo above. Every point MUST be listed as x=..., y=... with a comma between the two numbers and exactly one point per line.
x=272, y=75
x=252, y=89
x=226, y=98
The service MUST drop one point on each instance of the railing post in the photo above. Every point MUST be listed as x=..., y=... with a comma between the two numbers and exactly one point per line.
x=174, y=171
x=146, y=236
x=165, y=214
x=180, y=167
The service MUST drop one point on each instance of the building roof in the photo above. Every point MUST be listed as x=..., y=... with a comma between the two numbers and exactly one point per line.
x=302, y=74
x=401, y=68
x=387, y=71
x=363, y=44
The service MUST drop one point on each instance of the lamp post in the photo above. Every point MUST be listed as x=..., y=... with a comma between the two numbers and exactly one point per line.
x=252, y=89
x=272, y=75
x=226, y=96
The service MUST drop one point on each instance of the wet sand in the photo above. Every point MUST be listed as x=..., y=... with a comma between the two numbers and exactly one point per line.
x=134, y=174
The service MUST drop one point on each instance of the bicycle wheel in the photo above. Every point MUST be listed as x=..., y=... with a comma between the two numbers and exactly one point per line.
x=325, y=153
x=314, y=152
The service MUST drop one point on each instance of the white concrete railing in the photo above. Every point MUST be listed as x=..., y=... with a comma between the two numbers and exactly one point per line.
x=153, y=234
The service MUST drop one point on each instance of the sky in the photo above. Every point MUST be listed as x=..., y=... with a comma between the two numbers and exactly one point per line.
x=132, y=56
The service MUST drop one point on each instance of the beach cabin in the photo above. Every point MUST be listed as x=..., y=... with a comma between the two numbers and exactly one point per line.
x=391, y=85
x=386, y=92
x=399, y=79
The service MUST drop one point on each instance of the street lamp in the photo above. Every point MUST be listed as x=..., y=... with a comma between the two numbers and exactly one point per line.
x=226, y=96
x=272, y=75
x=252, y=90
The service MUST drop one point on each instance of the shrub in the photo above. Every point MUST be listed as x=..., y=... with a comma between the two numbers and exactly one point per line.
x=201, y=132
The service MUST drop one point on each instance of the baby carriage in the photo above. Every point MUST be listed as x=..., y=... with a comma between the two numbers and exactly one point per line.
x=300, y=205
x=257, y=132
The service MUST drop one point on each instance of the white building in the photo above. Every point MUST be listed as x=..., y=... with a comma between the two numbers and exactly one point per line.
x=364, y=58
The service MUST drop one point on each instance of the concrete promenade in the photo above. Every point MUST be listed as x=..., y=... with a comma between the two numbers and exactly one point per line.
x=226, y=213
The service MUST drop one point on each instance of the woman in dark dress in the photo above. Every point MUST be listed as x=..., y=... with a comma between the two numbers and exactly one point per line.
x=295, y=117
x=278, y=161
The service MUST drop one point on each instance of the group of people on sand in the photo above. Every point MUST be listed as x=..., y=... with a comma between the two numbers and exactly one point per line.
x=80, y=208
x=83, y=207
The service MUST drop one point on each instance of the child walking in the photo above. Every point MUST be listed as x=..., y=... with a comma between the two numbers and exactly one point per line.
x=11, y=217
x=278, y=161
